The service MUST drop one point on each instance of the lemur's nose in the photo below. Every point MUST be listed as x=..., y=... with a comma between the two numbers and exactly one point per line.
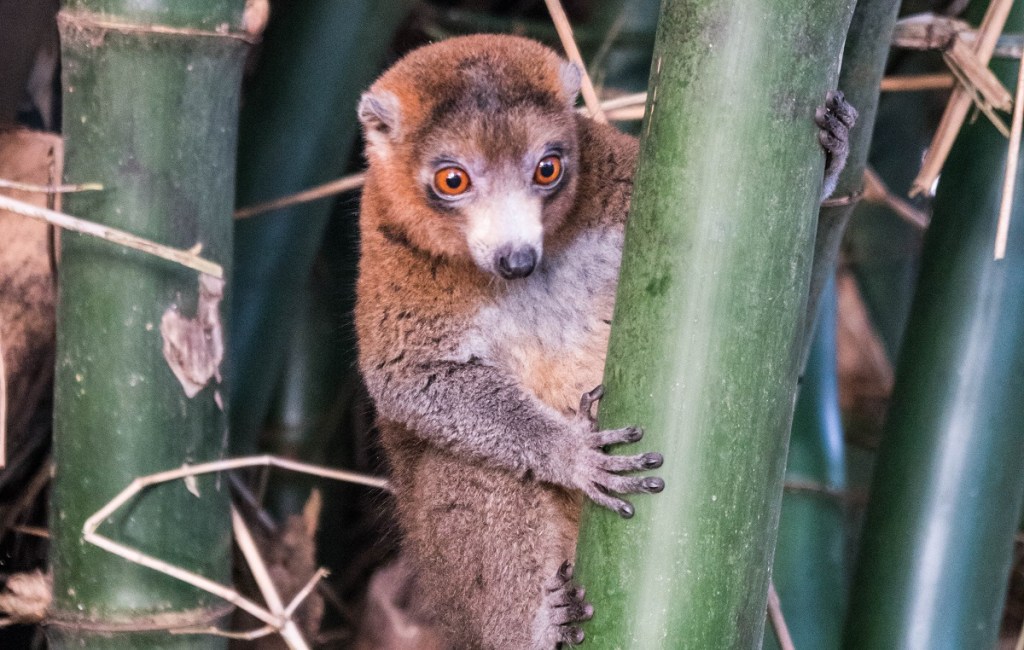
x=516, y=262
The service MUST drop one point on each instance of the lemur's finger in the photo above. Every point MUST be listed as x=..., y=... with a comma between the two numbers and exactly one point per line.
x=829, y=140
x=638, y=463
x=558, y=581
x=571, y=635
x=634, y=484
x=828, y=121
x=573, y=612
x=590, y=398
x=841, y=108
x=569, y=594
x=616, y=436
x=624, y=508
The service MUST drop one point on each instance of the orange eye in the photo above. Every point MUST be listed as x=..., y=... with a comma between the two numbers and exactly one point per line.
x=451, y=181
x=549, y=170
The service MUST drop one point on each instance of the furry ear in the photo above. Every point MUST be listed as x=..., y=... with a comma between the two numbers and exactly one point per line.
x=572, y=79
x=380, y=116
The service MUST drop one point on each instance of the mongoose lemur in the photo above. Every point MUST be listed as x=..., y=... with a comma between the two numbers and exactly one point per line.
x=492, y=226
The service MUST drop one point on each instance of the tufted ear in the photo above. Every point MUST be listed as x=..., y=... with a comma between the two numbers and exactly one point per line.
x=572, y=79
x=380, y=116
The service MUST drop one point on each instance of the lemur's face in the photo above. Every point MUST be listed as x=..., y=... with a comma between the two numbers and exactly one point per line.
x=481, y=150
x=505, y=178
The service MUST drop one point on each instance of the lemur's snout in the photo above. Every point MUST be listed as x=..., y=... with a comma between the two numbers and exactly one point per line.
x=515, y=262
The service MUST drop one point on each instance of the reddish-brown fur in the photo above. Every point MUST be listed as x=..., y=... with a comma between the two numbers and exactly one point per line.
x=484, y=539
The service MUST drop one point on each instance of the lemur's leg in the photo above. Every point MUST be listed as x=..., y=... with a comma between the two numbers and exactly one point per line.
x=835, y=119
x=562, y=611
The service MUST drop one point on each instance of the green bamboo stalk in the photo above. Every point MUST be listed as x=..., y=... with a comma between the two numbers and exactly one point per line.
x=298, y=128
x=151, y=95
x=809, y=570
x=810, y=560
x=948, y=486
x=709, y=316
x=867, y=48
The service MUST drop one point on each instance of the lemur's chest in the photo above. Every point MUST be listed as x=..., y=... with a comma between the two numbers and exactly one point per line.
x=551, y=329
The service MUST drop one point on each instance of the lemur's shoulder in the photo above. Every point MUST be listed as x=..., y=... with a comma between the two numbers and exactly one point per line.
x=607, y=160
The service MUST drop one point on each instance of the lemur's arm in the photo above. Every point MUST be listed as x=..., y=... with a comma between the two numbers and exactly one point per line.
x=474, y=409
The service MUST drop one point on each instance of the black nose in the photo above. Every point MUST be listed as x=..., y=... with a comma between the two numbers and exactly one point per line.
x=516, y=262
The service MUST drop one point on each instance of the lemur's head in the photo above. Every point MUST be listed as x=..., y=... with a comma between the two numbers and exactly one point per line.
x=472, y=142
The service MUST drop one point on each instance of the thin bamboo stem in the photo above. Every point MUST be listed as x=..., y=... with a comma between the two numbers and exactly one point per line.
x=189, y=258
x=876, y=191
x=137, y=485
x=3, y=402
x=251, y=635
x=778, y=620
x=332, y=188
x=278, y=616
x=564, y=30
x=1012, y=158
x=911, y=83
x=49, y=189
x=307, y=589
x=289, y=632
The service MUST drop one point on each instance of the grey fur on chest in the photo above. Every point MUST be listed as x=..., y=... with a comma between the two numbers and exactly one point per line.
x=557, y=317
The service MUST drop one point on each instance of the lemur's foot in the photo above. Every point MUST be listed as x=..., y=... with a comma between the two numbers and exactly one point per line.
x=597, y=473
x=835, y=119
x=564, y=609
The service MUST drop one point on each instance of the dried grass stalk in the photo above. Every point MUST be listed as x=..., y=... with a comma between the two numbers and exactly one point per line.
x=960, y=100
x=876, y=191
x=778, y=620
x=3, y=403
x=278, y=617
x=916, y=82
x=289, y=631
x=49, y=189
x=564, y=30
x=189, y=258
x=332, y=188
x=965, y=65
x=1012, y=158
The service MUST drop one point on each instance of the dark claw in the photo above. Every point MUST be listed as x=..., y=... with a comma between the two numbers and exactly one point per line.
x=579, y=593
x=589, y=399
x=572, y=636
x=653, y=460
x=626, y=511
x=653, y=484
x=635, y=433
x=565, y=571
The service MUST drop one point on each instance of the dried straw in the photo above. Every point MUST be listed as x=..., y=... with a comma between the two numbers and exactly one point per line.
x=189, y=258
x=332, y=188
x=564, y=30
x=48, y=189
x=916, y=82
x=960, y=100
x=1012, y=158
x=778, y=620
x=3, y=402
x=278, y=617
